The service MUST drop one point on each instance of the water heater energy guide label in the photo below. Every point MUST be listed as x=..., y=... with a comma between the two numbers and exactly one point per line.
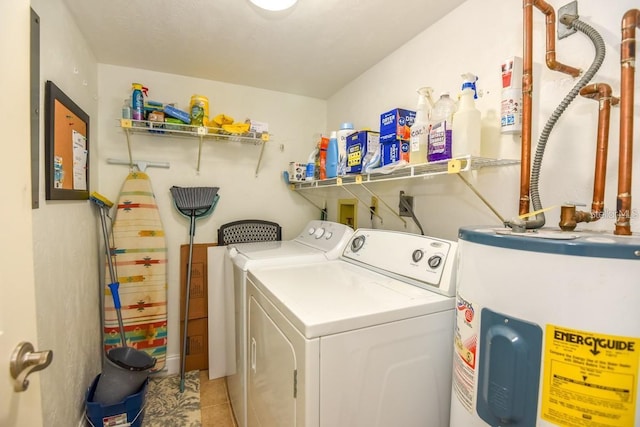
x=590, y=379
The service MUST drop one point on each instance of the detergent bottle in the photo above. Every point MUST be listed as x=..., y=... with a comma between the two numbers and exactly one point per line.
x=346, y=129
x=332, y=155
x=439, y=147
x=420, y=129
x=467, y=124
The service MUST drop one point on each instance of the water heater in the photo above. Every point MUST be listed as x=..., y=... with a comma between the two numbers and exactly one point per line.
x=547, y=329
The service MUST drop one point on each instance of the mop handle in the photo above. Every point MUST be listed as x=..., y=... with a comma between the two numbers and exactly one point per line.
x=116, y=302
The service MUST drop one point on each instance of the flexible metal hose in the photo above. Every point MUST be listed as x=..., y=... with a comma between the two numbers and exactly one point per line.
x=595, y=37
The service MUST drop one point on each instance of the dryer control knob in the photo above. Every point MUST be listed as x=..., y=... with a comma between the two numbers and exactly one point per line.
x=319, y=233
x=417, y=255
x=357, y=243
x=435, y=261
x=233, y=252
x=312, y=230
x=328, y=235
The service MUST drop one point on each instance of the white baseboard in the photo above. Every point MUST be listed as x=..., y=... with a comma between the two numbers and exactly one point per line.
x=171, y=366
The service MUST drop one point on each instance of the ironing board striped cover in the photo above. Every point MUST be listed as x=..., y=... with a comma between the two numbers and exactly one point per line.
x=140, y=258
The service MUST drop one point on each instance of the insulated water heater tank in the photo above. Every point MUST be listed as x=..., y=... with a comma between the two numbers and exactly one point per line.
x=547, y=329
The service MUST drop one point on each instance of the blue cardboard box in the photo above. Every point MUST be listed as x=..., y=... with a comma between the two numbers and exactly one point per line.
x=396, y=124
x=391, y=152
x=359, y=144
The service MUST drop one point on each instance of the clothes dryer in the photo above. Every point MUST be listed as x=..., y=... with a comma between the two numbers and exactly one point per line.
x=318, y=241
x=360, y=341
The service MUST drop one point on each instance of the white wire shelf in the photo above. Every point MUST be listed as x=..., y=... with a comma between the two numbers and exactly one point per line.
x=450, y=166
x=189, y=131
x=201, y=133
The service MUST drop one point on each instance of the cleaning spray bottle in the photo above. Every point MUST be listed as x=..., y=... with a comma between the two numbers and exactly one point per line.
x=466, y=120
x=420, y=129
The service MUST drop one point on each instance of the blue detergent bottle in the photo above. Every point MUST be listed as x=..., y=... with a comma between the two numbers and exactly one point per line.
x=137, y=102
x=332, y=155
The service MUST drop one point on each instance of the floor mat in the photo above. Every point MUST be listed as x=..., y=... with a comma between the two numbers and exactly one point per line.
x=167, y=407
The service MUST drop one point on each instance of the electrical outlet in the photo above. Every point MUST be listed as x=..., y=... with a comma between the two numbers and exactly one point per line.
x=374, y=204
x=405, y=201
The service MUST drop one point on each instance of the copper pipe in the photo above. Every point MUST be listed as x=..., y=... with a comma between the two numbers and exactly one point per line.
x=601, y=92
x=550, y=14
x=527, y=90
x=527, y=87
x=630, y=21
x=569, y=217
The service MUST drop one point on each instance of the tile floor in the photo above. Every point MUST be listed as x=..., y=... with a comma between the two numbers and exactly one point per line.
x=214, y=402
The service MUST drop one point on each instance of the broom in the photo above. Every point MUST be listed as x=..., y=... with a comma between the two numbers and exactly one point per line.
x=193, y=203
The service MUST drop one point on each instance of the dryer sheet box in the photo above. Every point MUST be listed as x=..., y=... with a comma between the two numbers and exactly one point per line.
x=358, y=145
x=396, y=124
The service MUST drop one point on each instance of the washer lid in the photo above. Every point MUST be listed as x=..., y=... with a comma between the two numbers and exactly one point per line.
x=248, y=255
x=336, y=296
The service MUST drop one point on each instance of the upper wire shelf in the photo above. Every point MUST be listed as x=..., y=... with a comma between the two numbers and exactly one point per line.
x=190, y=131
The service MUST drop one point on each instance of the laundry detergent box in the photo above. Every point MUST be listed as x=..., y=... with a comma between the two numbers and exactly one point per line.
x=396, y=124
x=359, y=145
x=393, y=151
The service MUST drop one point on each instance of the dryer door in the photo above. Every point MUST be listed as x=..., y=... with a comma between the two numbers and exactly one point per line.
x=271, y=372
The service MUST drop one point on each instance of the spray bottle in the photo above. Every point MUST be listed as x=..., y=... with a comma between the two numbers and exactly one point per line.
x=137, y=102
x=466, y=120
x=420, y=129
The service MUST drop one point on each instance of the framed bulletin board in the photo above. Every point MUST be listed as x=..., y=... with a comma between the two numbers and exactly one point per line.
x=66, y=147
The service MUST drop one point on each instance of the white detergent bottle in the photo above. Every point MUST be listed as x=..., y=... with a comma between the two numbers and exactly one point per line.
x=346, y=129
x=467, y=124
x=420, y=129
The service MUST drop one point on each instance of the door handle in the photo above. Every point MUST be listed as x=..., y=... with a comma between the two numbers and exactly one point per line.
x=253, y=354
x=24, y=361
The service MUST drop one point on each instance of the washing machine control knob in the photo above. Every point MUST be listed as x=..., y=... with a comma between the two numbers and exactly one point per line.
x=357, y=243
x=435, y=261
x=319, y=233
x=417, y=255
x=328, y=235
x=311, y=231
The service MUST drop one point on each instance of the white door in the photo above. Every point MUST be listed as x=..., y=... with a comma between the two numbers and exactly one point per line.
x=17, y=299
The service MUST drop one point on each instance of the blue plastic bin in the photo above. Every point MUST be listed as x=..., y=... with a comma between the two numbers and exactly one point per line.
x=128, y=412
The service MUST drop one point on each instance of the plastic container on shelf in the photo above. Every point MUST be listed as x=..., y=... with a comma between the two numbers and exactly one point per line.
x=420, y=129
x=467, y=124
x=137, y=102
x=332, y=156
x=126, y=109
x=439, y=147
x=199, y=110
x=346, y=129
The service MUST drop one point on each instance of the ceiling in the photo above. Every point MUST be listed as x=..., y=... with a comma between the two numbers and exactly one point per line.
x=313, y=49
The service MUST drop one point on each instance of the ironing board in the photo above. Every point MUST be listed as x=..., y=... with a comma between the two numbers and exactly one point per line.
x=140, y=258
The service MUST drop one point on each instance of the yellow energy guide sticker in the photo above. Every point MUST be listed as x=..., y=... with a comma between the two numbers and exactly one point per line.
x=590, y=379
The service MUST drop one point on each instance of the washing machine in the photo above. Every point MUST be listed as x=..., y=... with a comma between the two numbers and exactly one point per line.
x=318, y=241
x=360, y=341
x=547, y=329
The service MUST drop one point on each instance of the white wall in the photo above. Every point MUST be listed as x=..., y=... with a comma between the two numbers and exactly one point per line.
x=65, y=234
x=477, y=37
x=228, y=165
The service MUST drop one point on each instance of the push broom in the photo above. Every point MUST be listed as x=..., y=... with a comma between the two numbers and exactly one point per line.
x=193, y=203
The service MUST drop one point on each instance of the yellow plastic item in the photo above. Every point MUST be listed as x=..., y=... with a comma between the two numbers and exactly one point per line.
x=236, y=128
x=222, y=119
